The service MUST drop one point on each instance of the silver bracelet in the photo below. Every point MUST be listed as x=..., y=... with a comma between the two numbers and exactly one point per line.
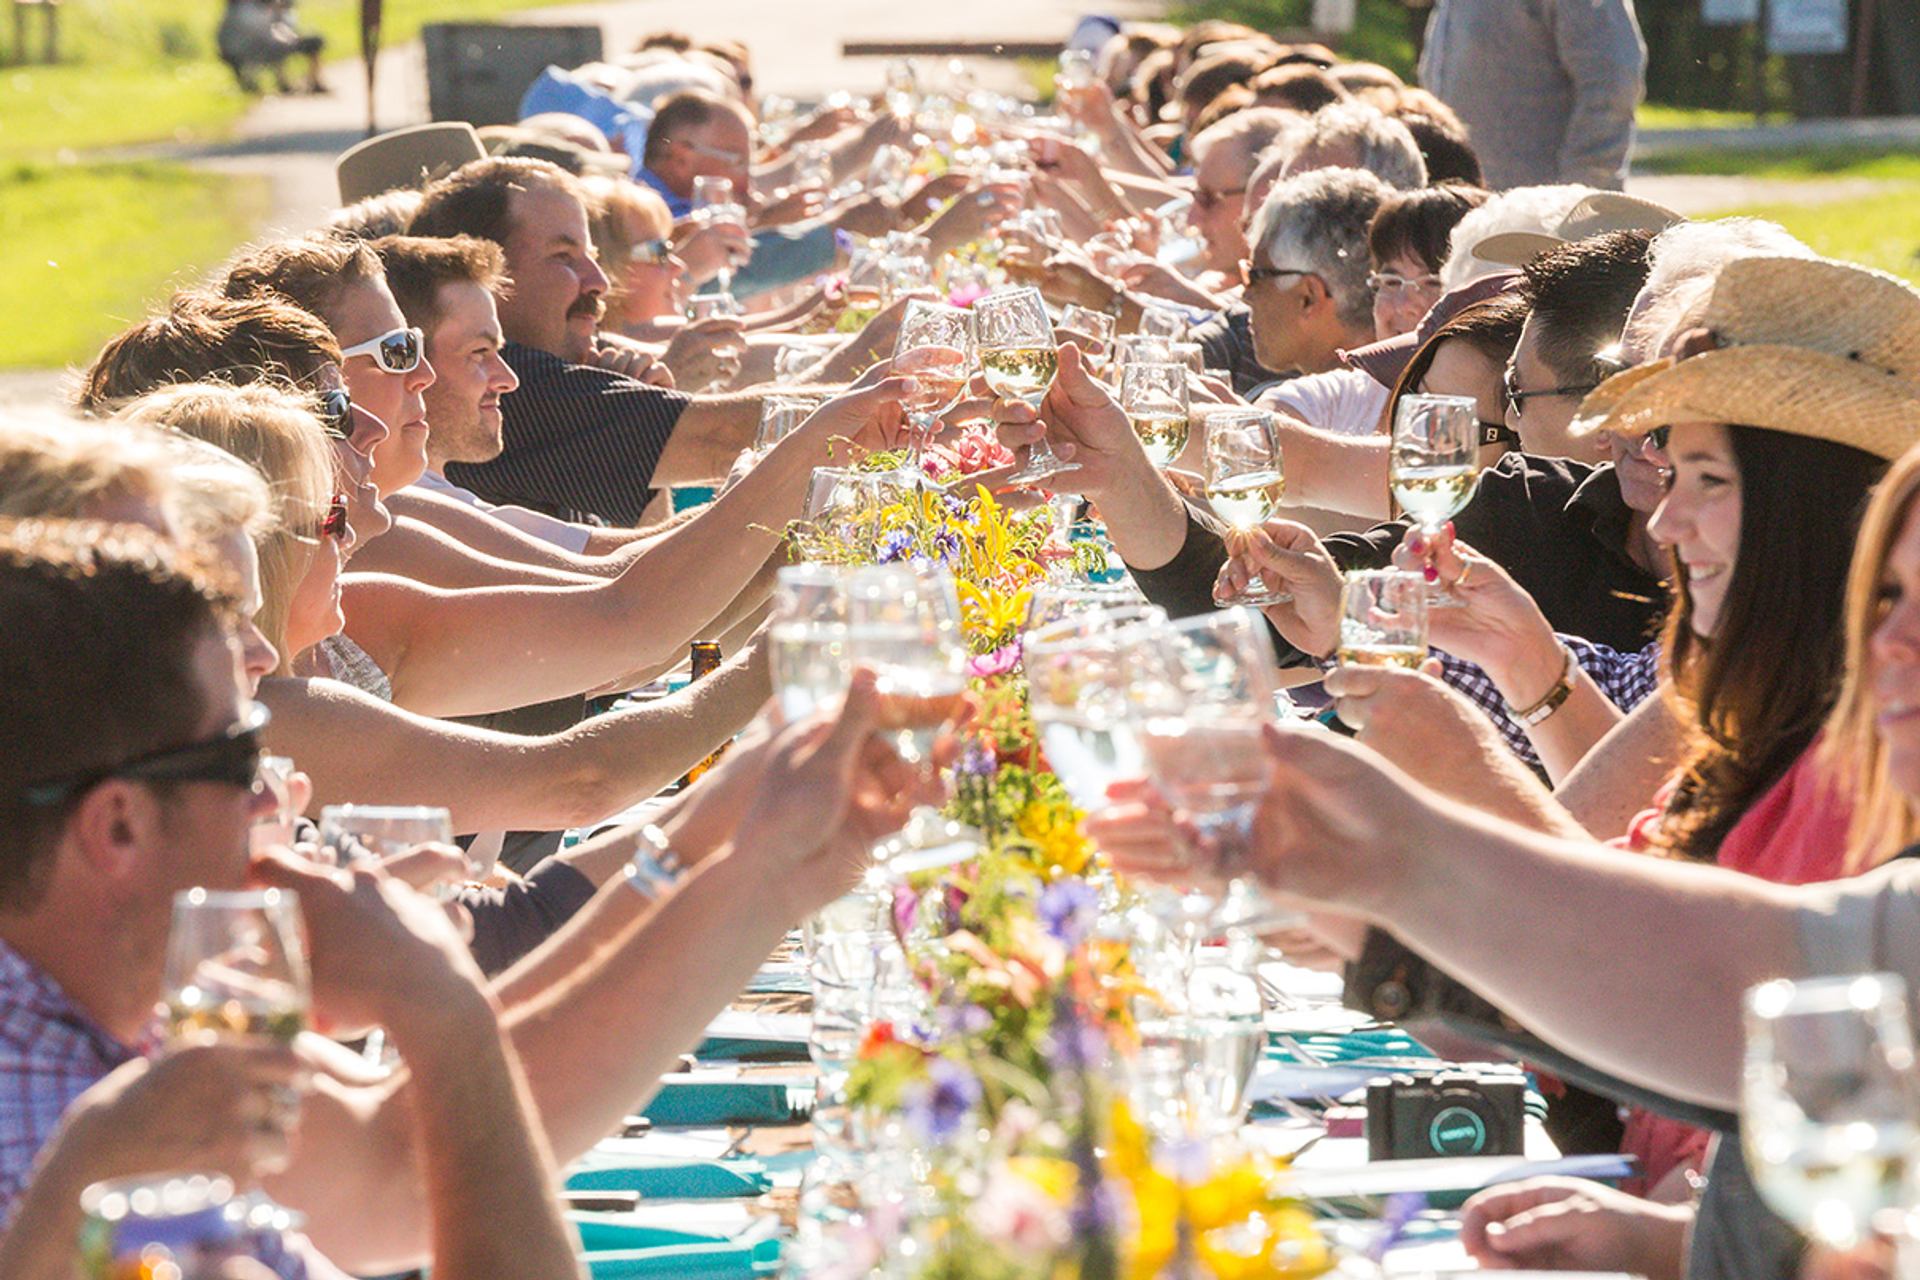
x=654, y=867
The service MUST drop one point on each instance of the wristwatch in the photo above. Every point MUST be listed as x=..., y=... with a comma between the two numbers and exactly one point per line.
x=654, y=867
x=1552, y=700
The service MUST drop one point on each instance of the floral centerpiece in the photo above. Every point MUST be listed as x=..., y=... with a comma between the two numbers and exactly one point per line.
x=1003, y=1086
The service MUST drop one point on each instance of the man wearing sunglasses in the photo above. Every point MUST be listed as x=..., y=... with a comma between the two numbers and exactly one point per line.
x=130, y=775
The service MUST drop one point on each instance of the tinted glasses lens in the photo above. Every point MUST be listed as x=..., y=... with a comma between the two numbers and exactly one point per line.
x=400, y=351
x=336, y=413
x=335, y=524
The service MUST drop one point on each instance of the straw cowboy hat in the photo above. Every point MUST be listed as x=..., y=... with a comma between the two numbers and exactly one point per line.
x=1808, y=346
x=408, y=157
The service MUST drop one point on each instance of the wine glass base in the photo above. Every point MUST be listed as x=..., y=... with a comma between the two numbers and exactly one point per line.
x=1254, y=599
x=1038, y=469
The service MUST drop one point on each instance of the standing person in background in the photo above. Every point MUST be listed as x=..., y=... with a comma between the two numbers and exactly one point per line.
x=1547, y=88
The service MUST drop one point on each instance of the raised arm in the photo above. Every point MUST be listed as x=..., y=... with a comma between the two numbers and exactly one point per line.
x=359, y=749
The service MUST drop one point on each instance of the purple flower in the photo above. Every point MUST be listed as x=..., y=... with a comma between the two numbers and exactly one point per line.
x=1094, y=1211
x=997, y=663
x=954, y=506
x=1068, y=909
x=940, y=1106
x=977, y=761
x=967, y=1019
x=946, y=545
x=895, y=546
x=906, y=906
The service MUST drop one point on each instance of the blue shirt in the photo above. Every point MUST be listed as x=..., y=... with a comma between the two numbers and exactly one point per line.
x=678, y=206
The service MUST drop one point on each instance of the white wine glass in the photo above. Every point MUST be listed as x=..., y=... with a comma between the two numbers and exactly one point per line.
x=807, y=630
x=715, y=203
x=842, y=518
x=1018, y=354
x=780, y=416
x=935, y=349
x=1244, y=484
x=1202, y=738
x=1434, y=463
x=1053, y=602
x=1083, y=689
x=1163, y=323
x=1829, y=1110
x=906, y=625
x=379, y=831
x=236, y=972
x=1383, y=619
x=1097, y=325
x=1156, y=401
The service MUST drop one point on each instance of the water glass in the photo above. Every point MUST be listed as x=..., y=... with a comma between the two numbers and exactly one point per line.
x=1829, y=1111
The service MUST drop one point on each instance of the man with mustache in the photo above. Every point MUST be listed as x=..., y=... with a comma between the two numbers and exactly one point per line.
x=579, y=441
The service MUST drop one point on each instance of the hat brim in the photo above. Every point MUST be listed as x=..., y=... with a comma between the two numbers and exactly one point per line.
x=1384, y=361
x=1515, y=248
x=1775, y=388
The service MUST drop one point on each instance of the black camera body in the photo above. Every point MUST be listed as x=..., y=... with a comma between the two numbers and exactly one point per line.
x=1446, y=1113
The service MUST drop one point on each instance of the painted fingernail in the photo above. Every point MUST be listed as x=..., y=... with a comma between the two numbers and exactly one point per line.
x=1416, y=543
x=1433, y=574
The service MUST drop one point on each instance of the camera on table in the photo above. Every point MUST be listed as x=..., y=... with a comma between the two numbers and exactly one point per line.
x=1448, y=1113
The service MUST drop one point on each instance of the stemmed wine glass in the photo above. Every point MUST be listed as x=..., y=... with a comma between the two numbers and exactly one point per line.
x=1156, y=401
x=1383, y=619
x=1083, y=690
x=236, y=971
x=1018, y=354
x=1053, y=602
x=1163, y=323
x=715, y=205
x=780, y=416
x=1830, y=1112
x=1097, y=325
x=1434, y=463
x=354, y=831
x=1244, y=484
x=844, y=506
x=935, y=349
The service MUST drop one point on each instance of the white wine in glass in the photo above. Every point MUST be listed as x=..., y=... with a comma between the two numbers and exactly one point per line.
x=1156, y=401
x=1019, y=357
x=236, y=967
x=1434, y=463
x=1244, y=485
x=808, y=651
x=1383, y=619
x=1829, y=1112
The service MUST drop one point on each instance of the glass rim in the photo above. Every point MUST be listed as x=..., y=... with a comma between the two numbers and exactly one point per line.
x=1824, y=993
x=236, y=899
x=436, y=811
x=1127, y=617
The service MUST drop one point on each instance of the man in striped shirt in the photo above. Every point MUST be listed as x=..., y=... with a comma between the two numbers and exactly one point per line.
x=584, y=439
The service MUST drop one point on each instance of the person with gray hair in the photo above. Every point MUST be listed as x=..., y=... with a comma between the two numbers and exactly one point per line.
x=1225, y=156
x=1307, y=278
x=1353, y=135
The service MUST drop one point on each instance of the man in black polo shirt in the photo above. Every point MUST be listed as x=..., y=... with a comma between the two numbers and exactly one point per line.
x=1557, y=523
x=581, y=441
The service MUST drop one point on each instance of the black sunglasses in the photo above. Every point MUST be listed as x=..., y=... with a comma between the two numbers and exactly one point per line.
x=1510, y=383
x=1658, y=437
x=334, y=523
x=336, y=413
x=232, y=758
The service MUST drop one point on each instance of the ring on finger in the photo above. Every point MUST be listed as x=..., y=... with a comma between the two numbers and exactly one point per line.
x=1466, y=567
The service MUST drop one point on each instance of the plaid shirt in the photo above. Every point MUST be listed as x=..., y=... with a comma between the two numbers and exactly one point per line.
x=50, y=1053
x=1626, y=678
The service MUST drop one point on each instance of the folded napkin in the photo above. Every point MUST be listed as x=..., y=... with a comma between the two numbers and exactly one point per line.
x=688, y=1262
x=710, y=1102
x=671, y=1178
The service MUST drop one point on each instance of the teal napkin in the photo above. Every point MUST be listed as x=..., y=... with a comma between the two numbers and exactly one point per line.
x=673, y=1178
x=749, y=1049
x=698, y=1103
x=688, y=1262
x=602, y=1232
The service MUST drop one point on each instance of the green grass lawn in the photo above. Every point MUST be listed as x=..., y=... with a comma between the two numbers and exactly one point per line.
x=75, y=278
x=137, y=71
x=1881, y=230
x=1799, y=162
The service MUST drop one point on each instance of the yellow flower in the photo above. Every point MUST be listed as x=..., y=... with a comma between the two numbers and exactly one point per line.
x=1055, y=835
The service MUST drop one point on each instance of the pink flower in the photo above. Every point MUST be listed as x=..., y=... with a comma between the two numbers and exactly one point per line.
x=997, y=663
x=976, y=451
x=966, y=295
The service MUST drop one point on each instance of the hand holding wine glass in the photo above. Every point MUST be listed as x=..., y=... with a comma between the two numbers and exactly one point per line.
x=1018, y=353
x=1244, y=485
x=935, y=349
x=1435, y=461
x=1291, y=558
x=1383, y=619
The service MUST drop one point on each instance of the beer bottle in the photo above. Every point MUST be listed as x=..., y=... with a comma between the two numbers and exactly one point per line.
x=705, y=660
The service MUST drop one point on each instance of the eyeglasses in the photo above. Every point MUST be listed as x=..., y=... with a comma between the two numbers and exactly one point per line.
x=396, y=351
x=1205, y=199
x=1657, y=438
x=1392, y=282
x=651, y=253
x=336, y=413
x=1252, y=275
x=1516, y=398
x=735, y=158
x=232, y=758
x=334, y=523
